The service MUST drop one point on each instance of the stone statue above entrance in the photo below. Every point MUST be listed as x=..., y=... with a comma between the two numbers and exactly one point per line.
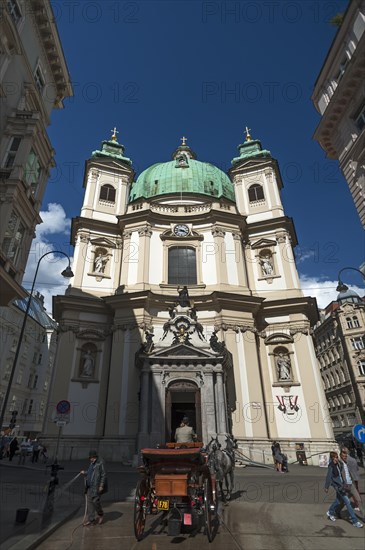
x=183, y=326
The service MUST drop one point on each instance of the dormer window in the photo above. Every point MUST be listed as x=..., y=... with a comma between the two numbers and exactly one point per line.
x=256, y=193
x=107, y=193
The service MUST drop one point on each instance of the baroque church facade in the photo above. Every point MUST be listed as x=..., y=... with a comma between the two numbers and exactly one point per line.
x=186, y=302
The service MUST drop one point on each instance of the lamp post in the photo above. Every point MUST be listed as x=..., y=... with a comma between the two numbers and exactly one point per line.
x=341, y=287
x=66, y=273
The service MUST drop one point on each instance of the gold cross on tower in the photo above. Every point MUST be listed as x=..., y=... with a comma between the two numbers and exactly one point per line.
x=114, y=134
x=248, y=135
x=183, y=139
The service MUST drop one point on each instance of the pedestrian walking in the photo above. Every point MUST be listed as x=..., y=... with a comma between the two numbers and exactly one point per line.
x=335, y=479
x=95, y=486
x=351, y=476
x=44, y=454
x=36, y=450
x=13, y=447
x=24, y=446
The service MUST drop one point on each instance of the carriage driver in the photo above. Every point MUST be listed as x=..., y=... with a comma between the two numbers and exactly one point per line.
x=185, y=434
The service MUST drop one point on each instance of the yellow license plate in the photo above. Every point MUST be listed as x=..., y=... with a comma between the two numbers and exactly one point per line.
x=163, y=504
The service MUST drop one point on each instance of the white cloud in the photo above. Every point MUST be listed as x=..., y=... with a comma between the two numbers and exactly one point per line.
x=322, y=289
x=49, y=280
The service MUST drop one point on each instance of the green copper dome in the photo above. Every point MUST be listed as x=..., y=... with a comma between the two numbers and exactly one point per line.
x=184, y=174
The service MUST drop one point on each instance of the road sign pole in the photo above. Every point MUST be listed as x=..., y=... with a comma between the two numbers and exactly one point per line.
x=58, y=443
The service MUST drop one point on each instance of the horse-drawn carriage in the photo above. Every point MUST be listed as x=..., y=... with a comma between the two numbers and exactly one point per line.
x=176, y=481
x=180, y=481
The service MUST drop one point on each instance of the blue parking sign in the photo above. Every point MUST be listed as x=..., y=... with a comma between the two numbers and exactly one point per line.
x=358, y=432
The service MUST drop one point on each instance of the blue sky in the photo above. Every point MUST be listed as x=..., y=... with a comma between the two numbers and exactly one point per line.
x=161, y=70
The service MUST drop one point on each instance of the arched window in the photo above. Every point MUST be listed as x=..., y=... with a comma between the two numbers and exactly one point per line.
x=107, y=193
x=182, y=266
x=349, y=322
x=256, y=193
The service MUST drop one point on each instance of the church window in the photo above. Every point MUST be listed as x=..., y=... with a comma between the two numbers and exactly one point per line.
x=182, y=266
x=39, y=79
x=107, y=193
x=256, y=193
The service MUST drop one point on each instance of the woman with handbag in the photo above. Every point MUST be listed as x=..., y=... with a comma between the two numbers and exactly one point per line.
x=336, y=480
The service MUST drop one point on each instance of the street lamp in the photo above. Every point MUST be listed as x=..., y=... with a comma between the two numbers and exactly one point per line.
x=65, y=273
x=341, y=287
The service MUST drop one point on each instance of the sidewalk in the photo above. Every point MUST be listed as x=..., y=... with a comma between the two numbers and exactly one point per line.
x=288, y=509
x=26, y=486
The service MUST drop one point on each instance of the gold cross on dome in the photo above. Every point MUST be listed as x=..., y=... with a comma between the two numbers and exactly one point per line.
x=248, y=135
x=114, y=134
x=183, y=139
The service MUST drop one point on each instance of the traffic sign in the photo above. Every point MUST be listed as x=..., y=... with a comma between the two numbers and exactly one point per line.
x=63, y=407
x=358, y=432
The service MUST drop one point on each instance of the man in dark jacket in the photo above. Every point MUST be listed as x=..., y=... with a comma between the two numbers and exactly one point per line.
x=335, y=478
x=95, y=486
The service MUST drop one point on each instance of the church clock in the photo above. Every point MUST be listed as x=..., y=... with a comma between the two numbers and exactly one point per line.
x=181, y=230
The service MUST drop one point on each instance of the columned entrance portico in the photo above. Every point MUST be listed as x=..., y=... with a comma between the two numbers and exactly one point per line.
x=182, y=375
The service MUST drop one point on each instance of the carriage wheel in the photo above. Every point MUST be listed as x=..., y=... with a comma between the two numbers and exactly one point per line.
x=140, y=508
x=209, y=509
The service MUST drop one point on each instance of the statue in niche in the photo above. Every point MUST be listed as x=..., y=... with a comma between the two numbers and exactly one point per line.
x=100, y=262
x=266, y=266
x=88, y=364
x=283, y=366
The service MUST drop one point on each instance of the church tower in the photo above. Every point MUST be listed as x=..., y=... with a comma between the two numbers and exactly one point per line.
x=186, y=301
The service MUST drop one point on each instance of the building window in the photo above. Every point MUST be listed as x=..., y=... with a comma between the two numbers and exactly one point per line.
x=32, y=171
x=358, y=342
x=11, y=153
x=13, y=239
x=361, y=365
x=14, y=10
x=40, y=359
x=360, y=118
x=342, y=69
x=35, y=381
x=351, y=419
x=30, y=407
x=39, y=79
x=24, y=407
x=349, y=322
x=355, y=321
x=182, y=266
x=7, y=371
x=107, y=193
x=45, y=385
x=256, y=193
x=19, y=376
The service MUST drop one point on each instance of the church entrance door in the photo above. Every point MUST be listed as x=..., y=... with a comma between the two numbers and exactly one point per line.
x=182, y=399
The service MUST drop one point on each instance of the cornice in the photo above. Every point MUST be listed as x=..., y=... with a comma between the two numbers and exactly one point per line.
x=49, y=37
